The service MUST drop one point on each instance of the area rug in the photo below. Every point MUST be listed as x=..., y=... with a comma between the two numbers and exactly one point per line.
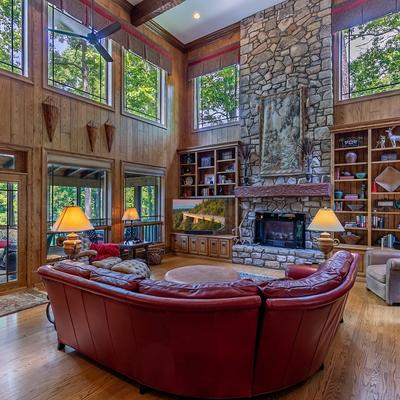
x=18, y=301
x=256, y=277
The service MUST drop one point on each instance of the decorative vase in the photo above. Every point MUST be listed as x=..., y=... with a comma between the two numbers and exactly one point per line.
x=351, y=157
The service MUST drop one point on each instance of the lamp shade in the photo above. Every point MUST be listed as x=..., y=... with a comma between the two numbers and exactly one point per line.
x=72, y=219
x=326, y=221
x=130, y=214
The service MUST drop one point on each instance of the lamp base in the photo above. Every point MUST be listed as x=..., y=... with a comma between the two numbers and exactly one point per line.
x=326, y=243
x=72, y=245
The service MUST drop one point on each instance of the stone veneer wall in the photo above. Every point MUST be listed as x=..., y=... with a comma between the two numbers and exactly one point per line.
x=282, y=48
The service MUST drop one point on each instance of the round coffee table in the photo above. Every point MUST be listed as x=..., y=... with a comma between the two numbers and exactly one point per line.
x=201, y=274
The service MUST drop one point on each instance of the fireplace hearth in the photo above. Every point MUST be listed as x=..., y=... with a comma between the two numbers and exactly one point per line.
x=285, y=230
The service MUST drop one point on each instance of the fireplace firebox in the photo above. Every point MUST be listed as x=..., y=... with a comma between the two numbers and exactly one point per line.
x=280, y=230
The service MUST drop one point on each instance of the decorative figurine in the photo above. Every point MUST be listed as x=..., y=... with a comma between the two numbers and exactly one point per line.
x=381, y=143
x=393, y=138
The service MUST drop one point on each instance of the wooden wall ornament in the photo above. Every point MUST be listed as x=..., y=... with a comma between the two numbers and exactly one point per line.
x=51, y=114
x=110, y=133
x=92, y=129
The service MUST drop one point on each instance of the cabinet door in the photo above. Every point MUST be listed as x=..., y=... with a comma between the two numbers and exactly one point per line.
x=184, y=244
x=214, y=251
x=224, y=248
x=203, y=246
x=193, y=245
x=175, y=243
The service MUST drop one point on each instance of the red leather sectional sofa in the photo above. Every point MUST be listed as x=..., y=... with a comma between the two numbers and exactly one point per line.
x=225, y=340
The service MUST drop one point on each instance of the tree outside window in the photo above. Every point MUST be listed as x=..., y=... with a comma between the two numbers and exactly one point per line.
x=217, y=97
x=370, y=58
x=74, y=65
x=12, y=36
x=143, y=88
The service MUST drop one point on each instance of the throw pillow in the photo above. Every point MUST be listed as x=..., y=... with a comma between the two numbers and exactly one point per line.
x=107, y=263
x=135, y=267
x=105, y=250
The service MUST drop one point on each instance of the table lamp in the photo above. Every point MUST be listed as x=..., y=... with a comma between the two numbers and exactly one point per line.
x=131, y=214
x=326, y=222
x=72, y=219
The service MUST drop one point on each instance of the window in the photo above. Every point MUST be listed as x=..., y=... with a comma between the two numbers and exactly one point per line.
x=144, y=88
x=13, y=30
x=144, y=191
x=370, y=58
x=84, y=186
x=217, y=97
x=74, y=65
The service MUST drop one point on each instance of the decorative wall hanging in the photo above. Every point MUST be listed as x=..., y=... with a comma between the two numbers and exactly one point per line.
x=110, y=133
x=282, y=131
x=51, y=114
x=92, y=129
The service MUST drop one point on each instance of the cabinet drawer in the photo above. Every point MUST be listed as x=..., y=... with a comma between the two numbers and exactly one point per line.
x=193, y=245
x=214, y=250
x=224, y=248
x=203, y=246
x=184, y=244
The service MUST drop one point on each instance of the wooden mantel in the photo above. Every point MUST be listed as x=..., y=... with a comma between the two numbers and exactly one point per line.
x=301, y=190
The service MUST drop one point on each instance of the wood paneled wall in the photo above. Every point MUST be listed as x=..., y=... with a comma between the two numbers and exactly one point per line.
x=22, y=124
x=190, y=137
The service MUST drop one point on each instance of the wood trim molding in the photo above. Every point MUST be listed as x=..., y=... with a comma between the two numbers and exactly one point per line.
x=195, y=44
x=146, y=10
x=168, y=37
x=302, y=190
x=172, y=40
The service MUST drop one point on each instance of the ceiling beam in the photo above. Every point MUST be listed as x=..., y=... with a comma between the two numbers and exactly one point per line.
x=149, y=9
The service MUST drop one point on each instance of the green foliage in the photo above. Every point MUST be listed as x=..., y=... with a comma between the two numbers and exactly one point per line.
x=75, y=65
x=142, y=87
x=217, y=97
x=11, y=34
x=376, y=67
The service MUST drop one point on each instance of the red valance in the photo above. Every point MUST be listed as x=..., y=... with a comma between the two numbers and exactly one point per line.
x=128, y=37
x=213, y=62
x=350, y=13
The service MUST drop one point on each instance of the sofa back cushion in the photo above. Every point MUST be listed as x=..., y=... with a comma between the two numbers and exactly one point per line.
x=74, y=268
x=217, y=290
x=118, y=279
x=329, y=276
x=105, y=250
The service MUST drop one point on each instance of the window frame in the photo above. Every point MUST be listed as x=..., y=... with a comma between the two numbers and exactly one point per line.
x=26, y=46
x=337, y=77
x=195, y=100
x=77, y=161
x=110, y=69
x=145, y=170
x=162, y=94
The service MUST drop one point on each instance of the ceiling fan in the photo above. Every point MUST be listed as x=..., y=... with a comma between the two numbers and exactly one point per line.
x=93, y=37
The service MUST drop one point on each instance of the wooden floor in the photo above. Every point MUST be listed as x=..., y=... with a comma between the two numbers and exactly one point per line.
x=363, y=363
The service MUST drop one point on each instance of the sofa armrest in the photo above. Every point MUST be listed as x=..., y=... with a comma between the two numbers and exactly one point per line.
x=378, y=257
x=299, y=271
x=393, y=280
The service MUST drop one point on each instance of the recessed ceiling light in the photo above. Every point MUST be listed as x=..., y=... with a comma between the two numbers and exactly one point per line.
x=196, y=15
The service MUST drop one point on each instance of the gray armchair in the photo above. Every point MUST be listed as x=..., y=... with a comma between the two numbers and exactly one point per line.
x=383, y=274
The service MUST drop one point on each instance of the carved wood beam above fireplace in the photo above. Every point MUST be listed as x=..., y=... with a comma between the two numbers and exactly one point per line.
x=301, y=190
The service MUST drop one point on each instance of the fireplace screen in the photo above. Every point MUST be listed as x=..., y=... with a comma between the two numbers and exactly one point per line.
x=280, y=230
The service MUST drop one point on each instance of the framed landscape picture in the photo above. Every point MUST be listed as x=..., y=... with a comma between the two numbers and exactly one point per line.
x=282, y=130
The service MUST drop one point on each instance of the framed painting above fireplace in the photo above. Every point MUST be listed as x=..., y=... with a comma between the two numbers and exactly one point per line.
x=282, y=131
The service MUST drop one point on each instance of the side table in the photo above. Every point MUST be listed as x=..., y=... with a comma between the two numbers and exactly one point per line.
x=128, y=250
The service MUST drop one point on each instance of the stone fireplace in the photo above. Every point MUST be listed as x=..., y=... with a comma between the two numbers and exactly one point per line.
x=283, y=48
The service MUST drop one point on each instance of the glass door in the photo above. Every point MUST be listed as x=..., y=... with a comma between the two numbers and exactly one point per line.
x=12, y=237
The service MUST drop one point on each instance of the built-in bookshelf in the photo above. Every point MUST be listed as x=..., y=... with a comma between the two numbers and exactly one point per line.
x=209, y=171
x=364, y=207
